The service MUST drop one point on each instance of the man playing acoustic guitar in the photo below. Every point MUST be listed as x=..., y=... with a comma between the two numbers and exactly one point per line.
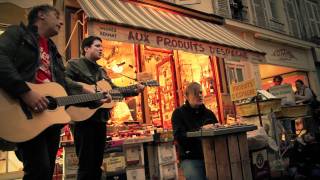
x=27, y=54
x=90, y=134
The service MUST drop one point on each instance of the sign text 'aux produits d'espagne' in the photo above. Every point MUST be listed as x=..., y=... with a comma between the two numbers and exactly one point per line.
x=123, y=34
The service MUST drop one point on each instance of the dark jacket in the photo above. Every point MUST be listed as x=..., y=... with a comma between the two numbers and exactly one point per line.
x=86, y=71
x=20, y=59
x=186, y=119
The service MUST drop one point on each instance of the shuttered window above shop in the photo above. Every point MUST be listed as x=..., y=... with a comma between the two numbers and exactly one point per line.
x=259, y=7
x=292, y=16
x=223, y=8
x=314, y=17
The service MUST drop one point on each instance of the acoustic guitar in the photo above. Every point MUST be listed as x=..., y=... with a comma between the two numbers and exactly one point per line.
x=18, y=123
x=83, y=113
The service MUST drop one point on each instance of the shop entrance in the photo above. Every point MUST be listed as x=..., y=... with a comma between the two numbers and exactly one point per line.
x=162, y=100
x=167, y=89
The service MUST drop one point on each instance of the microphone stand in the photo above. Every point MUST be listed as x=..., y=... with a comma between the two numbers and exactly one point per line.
x=135, y=79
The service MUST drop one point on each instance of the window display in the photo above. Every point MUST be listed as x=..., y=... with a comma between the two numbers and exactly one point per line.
x=197, y=68
x=161, y=100
x=120, y=64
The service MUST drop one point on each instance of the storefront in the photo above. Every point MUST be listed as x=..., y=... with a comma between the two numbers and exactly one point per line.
x=174, y=48
x=286, y=56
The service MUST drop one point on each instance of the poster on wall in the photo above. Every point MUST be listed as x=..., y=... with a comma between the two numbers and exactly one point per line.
x=188, y=2
x=243, y=90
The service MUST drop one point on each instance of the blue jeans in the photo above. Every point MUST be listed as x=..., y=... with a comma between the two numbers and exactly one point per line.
x=193, y=169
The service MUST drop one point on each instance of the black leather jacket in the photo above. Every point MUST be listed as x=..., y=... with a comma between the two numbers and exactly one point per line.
x=186, y=119
x=20, y=59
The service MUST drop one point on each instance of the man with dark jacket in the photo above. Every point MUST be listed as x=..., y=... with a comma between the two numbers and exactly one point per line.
x=27, y=54
x=90, y=135
x=192, y=116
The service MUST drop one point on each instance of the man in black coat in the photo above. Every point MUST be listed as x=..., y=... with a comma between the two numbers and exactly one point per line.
x=27, y=54
x=192, y=116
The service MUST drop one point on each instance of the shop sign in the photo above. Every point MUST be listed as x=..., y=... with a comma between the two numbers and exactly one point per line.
x=286, y=55
x=283, y=54
x=243, y=90
x=117, y=33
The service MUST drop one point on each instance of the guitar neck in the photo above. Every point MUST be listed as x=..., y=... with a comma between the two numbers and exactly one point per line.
x=76, y=99
x=127, y=89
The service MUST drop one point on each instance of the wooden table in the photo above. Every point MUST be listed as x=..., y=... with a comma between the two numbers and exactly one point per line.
x=226, y=153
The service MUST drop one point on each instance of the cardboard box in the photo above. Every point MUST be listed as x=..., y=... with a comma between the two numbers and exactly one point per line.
x=136, y=174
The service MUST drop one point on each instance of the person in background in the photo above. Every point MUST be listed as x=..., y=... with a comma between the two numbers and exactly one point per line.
x=192, y=116
x=277, y=80
x=27, y=54
x=305, y=95
x=90, y=135
x=288, y=124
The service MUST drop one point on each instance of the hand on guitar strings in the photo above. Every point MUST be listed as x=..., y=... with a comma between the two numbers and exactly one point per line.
x=35, y=101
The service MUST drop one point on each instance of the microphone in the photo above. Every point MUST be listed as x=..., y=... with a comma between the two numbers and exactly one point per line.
x=135, y=79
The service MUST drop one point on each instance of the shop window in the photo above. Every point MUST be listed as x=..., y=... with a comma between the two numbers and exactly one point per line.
x=235, y=73
x=161, y=100
x=198, y=68
x=288, y=78
x=120, y=64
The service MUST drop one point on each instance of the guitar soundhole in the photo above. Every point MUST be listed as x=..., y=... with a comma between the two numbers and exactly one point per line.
x=52, y=103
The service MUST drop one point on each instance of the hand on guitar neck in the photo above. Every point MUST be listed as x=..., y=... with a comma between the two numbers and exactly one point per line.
x=140, y=87
x=83, y=113
x=86, y=88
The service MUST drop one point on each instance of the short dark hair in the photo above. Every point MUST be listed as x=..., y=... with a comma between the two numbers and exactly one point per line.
x=33, y=14
x=88, y=41
x=300, y=81
x=277, y=77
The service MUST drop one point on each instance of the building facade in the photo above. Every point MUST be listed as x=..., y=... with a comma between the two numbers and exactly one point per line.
x=287, y=30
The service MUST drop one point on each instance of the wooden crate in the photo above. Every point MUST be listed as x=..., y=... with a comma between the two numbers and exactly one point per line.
x=166, y=153
x=162, y=161
x=168, y=171
x=136, y=173
x=250, y=109
x=227, y=157
x=70, y=162
x=293, y=111
x=134, y=154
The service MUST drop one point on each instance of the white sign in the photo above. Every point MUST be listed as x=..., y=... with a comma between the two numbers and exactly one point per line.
x=284, y=92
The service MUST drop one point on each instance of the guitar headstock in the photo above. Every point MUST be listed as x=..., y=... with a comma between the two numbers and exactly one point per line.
x=150, y=83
